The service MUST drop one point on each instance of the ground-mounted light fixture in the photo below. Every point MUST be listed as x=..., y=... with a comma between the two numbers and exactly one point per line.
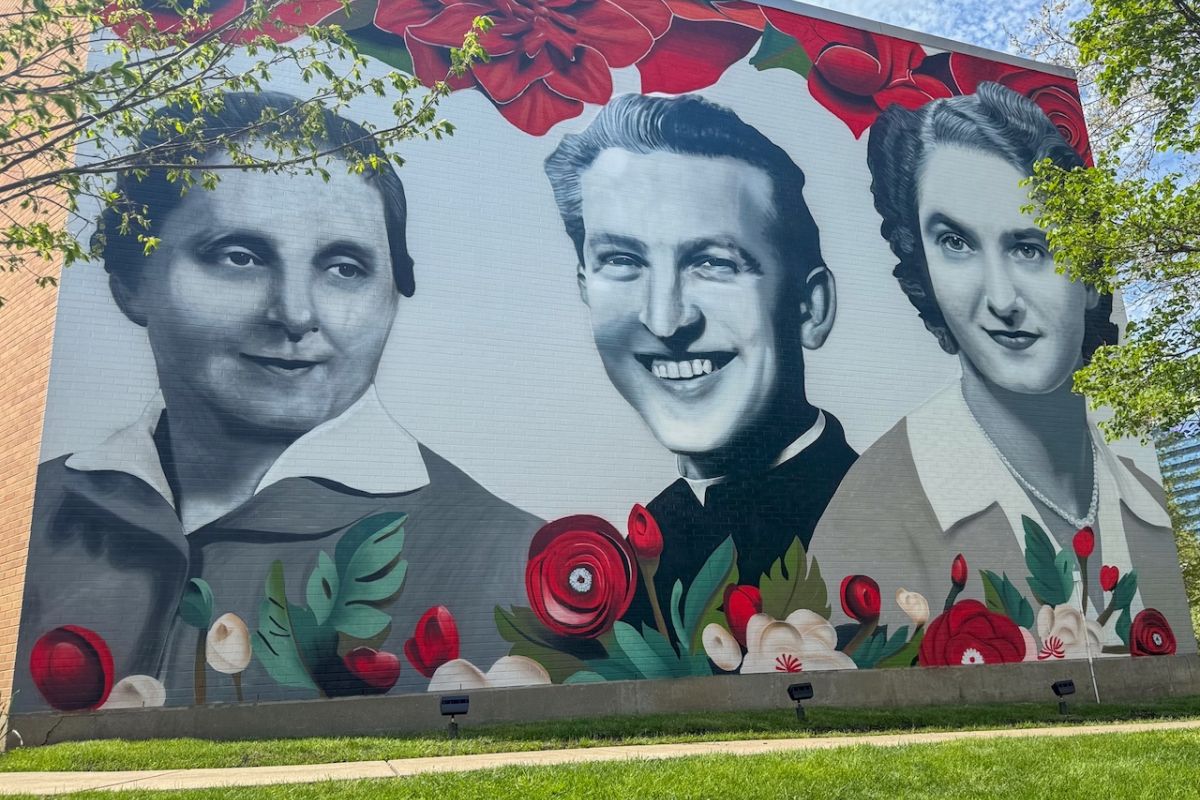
x=799, y=692
x=1063, y=690
x=454, y=705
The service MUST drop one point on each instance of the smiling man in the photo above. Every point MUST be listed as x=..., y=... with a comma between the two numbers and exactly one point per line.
x=267, y=307
x=701, y=267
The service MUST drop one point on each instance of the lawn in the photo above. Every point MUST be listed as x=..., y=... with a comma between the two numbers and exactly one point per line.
x=603, y=731
x=1153, y=765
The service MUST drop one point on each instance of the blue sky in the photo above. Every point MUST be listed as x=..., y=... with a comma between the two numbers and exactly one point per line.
x=985, y=23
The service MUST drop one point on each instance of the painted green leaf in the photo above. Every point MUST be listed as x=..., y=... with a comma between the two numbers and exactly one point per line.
x=715, y=612
x=370, y=573
x=1051, y=576
x=196, y=605
x=322, y=588
x=585, y=676
x=382, y=46
x=906, y=656
x=1125, y=589
x=1124, y=622
x=640, y=653
x=661, y=647
x=677, y=608
x=1005, y=598
x=777, y=50
x=706, y=592
x=276, y=645
x=520, y=628
x=802, y=587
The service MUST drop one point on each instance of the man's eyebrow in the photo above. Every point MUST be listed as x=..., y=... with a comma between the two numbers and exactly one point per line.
x=606, y=239
x=244, y=237
x=350, y=248
x=695, y=246
x=1025, y=234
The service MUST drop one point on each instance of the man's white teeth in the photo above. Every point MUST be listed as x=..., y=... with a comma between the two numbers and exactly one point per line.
x=675, y=370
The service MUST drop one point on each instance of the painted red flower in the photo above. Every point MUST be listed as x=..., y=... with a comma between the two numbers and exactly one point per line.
x=705, y=38
x=378, y=669
x=581, y=575
x=958, y=571
x=1084, y=542
x=1151, y=635
x=546, y=57
x=288, y=19
x=860, y=597
x=434, y=642
x=644, y=534
x=1109, y=577
x=856, y=74
x=741, y=603
x=72, y=667
x=971, y=634
x=1057, y=96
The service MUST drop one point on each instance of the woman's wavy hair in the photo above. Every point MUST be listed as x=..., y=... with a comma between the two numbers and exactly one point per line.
x=148, y=198
x=994, y=120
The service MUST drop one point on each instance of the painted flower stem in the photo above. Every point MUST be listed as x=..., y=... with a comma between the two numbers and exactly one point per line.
x=952, y=596
x=1083, y=583
x=864, y=632
x=198, y=675
x=1106, y=613
x=237, y=686
x=649, y=568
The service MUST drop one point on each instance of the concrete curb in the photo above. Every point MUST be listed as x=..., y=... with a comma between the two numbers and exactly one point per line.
x=50, y=783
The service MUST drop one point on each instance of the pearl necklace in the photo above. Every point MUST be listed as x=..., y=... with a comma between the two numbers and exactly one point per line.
x=1085, y=521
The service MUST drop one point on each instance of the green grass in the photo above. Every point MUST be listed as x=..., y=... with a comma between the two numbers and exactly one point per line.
x=1155, y=765
x=603, y=731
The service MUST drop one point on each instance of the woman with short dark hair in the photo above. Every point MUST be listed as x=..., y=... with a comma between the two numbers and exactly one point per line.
x=1010, y=438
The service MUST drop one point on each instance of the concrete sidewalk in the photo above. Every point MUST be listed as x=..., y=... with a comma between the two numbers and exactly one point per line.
x=46, y=783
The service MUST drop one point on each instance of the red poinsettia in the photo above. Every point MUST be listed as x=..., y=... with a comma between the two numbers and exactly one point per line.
x=581, y=575
x=434, y=642
x=287, y=20
x=705, y=38
x=860, y=597
x=856, y=74
x=971, y=634
x=741, y=603
x=546, y=58
x=1151, y=635
x=1057, y=96
x=377, y=669
x=72, y=667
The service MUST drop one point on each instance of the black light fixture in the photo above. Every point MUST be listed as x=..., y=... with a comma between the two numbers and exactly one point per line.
x=452, y=706
x=798, y=692
x=1063, y=690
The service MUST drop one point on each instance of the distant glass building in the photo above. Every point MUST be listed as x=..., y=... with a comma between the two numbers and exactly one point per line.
x=1179, y=459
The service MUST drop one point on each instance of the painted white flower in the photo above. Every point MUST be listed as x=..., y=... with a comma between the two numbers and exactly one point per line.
x=914, y=605
x=721, y=648
x=461, y=675
x=805, y=641
x=227, y=647
x=1066, y=624
x=136, y=691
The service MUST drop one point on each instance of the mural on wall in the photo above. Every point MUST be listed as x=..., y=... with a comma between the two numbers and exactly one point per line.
x=266, y=530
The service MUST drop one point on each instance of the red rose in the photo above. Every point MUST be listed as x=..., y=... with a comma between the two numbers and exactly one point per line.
x=377, y=669
x=741, y=603
x=1109, y=577
x=860, y=597
x=970, y=634
x=856, y=74
x=1084, y=542
x=434, y=642
x=287, y=20
x=958, y=571
x=1151, y=635
x=644, y=534
x=581, y=576
x=705, y=38
x=1057, y=96
x=546, y=57
x=73, y=668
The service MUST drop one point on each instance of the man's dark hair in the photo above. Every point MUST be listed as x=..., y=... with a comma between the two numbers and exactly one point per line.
x=153, y=195
x=686, y=125
x=994, y=120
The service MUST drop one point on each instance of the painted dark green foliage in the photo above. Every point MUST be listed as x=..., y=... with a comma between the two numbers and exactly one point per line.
x=704, y=596
x=880, y=647
x=1051, y=576
x=777, y=50
x=793, y=582
x=1003, y=597
x=196, y=605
